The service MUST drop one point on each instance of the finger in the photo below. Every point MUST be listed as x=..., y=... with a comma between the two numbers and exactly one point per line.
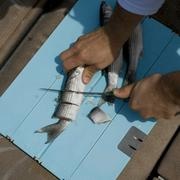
x=68, y=53
x=88, y=73
x=72, y=62
x=124, y=92
x=74, y=49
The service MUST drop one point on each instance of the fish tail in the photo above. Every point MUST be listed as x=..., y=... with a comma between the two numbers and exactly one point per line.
x=53, y=130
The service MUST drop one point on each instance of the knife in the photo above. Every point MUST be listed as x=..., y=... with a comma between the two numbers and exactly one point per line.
x=110, y=93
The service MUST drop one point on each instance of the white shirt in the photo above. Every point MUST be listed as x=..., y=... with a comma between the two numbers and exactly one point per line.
x=141, y=7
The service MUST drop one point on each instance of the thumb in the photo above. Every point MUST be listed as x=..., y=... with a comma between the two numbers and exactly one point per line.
x=88, y=73
x=124, y=92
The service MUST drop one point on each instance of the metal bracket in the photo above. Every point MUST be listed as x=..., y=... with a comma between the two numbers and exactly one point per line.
x=131, y=141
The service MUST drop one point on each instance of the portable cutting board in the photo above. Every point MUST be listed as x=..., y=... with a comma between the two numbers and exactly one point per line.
x=84, y=150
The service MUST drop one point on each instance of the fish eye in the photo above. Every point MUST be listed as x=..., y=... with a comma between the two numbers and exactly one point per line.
x=76, y=73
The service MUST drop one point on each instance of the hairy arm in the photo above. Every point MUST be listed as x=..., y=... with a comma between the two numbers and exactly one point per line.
x=120, y=27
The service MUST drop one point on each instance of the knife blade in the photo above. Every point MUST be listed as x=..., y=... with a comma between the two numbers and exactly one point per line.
x=85, y=93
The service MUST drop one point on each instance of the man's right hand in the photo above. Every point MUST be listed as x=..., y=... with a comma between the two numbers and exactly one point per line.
x=155, y=96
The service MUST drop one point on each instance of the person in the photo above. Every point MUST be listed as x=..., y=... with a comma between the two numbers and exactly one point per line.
x=156, y=96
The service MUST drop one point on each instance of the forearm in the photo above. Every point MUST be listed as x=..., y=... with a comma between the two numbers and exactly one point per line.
x=170, y=84
x=121, y=25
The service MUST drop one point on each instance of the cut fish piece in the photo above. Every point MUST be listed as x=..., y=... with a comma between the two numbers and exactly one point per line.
x=98, y=116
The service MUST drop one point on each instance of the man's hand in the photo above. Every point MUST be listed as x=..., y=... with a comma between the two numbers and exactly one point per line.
x=152, y=97
x=100, y=48
x=92, y=50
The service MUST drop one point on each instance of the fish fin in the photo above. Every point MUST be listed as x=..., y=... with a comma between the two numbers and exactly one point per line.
x=52, y=130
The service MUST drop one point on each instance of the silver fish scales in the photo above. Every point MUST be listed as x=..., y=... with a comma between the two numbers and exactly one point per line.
x=68, y=106
x=112, y=78
x=113, y=70
x=135, y=51
x=98, y=116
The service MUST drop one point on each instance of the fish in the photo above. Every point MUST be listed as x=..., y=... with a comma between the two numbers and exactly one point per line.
x=105, y=13
x=112, y=79
x=98, y=116
x=69, y=105
x=135, y=53
x=113, y=70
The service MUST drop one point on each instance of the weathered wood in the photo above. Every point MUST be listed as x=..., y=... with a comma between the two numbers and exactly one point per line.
x=11, y=16
x=14, y=25
x=144, y=160
x=16, y=165
x=32, y=42
x=169, y=167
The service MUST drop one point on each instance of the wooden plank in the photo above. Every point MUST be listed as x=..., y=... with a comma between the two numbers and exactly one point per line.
x=33, y=41
x=15, y=164
x=11, y=17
